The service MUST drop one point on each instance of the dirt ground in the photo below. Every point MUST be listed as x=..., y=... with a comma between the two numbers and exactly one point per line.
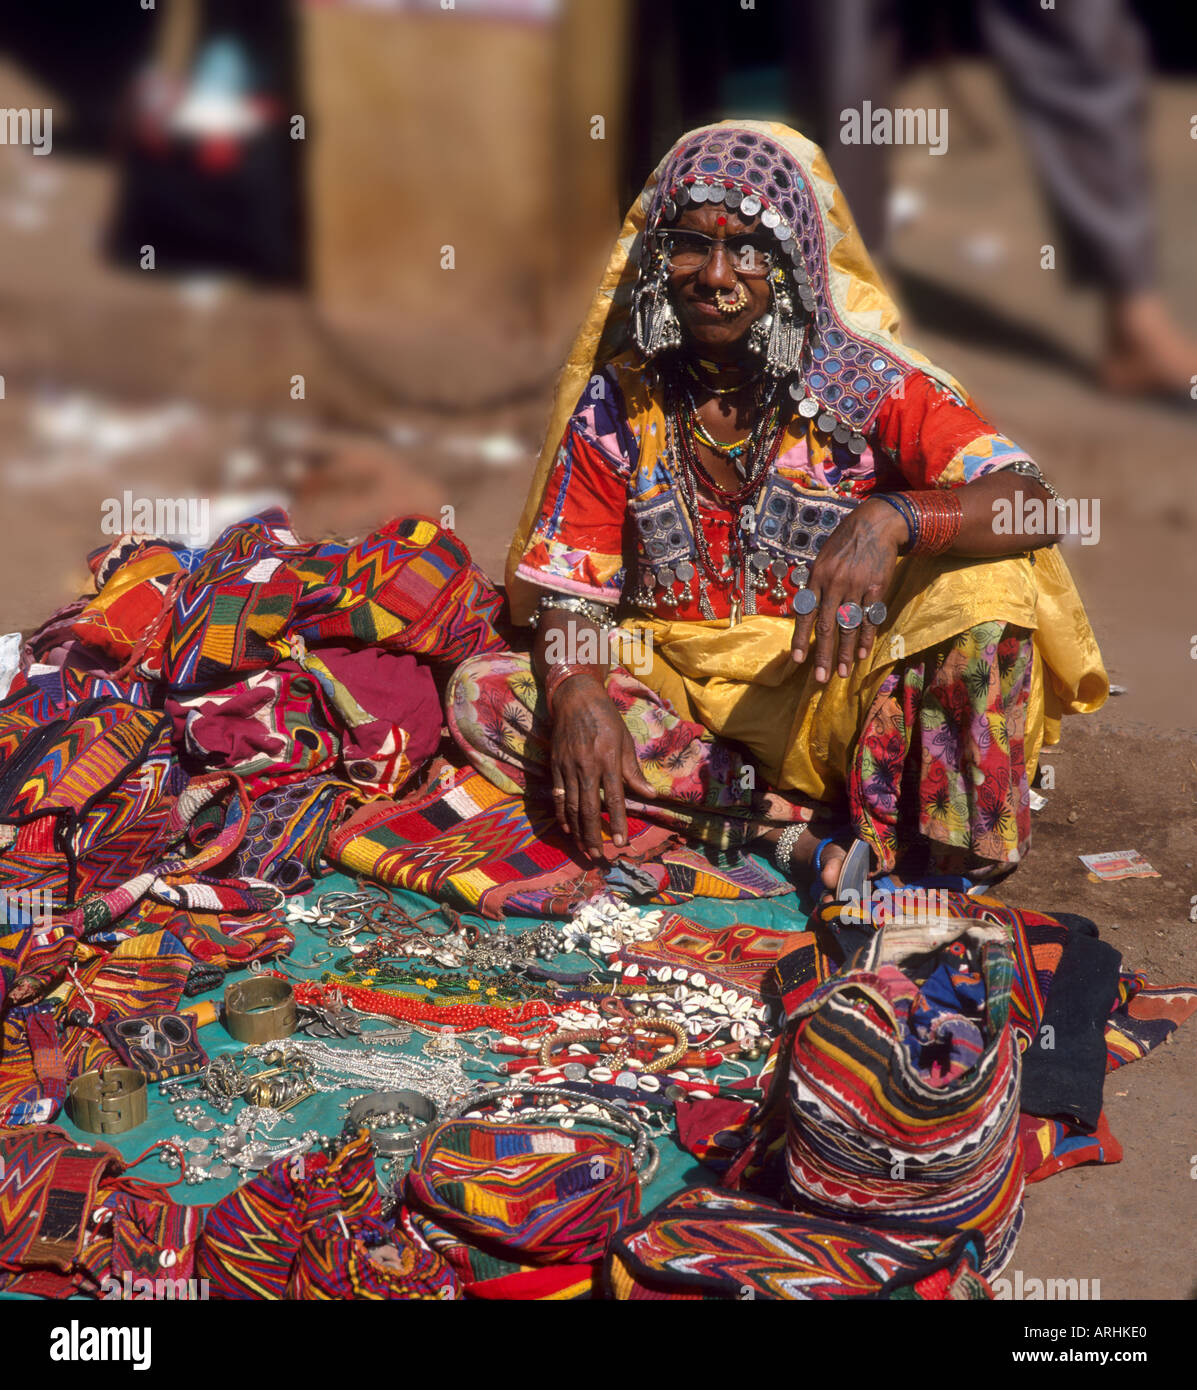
x=966, y=265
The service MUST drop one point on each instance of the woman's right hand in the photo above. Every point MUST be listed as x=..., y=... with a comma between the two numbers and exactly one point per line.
x=592, y=749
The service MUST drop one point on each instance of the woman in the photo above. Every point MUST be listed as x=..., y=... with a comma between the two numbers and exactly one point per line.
x=807, y=524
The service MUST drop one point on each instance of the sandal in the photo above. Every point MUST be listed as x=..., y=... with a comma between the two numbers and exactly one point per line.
x=854, y=871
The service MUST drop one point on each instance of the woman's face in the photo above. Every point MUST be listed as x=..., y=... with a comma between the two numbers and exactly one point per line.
x=697, y=293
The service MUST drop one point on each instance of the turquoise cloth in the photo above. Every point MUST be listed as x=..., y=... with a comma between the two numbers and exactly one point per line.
x=326, y=1112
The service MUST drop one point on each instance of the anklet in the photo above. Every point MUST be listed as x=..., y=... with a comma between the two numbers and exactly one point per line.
x=784, y=848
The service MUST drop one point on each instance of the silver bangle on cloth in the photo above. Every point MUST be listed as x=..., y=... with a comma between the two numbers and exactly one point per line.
x=384, y=1111
x=645, y=1157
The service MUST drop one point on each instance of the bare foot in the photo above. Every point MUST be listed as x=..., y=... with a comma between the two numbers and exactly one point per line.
x=1146, y=352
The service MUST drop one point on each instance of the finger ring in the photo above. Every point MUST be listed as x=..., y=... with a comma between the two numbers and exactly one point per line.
x=805, y=601
x=876, y=613
x=558, y=791
x=849, y=616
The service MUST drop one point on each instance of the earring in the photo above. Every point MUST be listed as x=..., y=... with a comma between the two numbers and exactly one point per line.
x=655, y=326
x=759, y=335
x=783, y=349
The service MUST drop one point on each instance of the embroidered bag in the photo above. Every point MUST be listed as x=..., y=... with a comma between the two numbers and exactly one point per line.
x=72, y=1219
x=85, y=797
x=312, y=1227
x=707, y=1244
x=870, y=1134
x=521, y=1210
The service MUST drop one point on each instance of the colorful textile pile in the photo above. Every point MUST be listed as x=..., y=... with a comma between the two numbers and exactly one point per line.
x=709, y=1244
x=178, y=748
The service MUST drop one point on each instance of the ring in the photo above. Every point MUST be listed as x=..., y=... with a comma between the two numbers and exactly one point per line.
x=558, y=791
x=805, y=601
x=849, y=616
x=876, y=613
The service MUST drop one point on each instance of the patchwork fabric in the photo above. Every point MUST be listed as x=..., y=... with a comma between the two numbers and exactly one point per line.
x=705, y=1244
x=270, y=729
x=408, y=587
x=135, y=579
x=737, y=957
x=390, y=710
x=287, y=830
x=506, y=1199
x=1050, y=1146
x=471, y=845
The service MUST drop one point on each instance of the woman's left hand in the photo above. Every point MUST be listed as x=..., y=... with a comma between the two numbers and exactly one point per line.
x=856, y=565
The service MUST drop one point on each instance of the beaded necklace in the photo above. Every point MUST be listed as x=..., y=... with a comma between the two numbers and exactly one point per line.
x=688, y=468
x=521, y=1020
x=716, y=370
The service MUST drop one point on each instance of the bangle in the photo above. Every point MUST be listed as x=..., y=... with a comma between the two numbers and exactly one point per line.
x=601, y=614
x=108, y=1101
x=938, y=515
x=260, y=1009
x=384, y=1111
x=783, y=850
x=644, y=1152
x=1026, y=469
x=899, y=503
x=557, y=676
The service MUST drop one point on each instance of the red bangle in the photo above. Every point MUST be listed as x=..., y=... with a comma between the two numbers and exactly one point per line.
x=556, y=678
x=940, y=515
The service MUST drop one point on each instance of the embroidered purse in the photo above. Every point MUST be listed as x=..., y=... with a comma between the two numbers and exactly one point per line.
x=869, y=1136
x=705, y=1244
x=520, y=1210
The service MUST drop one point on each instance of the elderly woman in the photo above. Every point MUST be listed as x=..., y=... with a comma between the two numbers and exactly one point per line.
x=804, y=534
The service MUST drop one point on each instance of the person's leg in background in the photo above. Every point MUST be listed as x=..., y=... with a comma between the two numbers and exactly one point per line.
x=1079, y=78
x=839, y=56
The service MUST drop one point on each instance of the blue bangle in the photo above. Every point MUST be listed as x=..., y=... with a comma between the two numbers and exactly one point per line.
x=906, y=512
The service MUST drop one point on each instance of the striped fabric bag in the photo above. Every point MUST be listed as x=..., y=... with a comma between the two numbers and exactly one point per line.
x=705, y=1244
x=521, y=1211
x=870, y=1134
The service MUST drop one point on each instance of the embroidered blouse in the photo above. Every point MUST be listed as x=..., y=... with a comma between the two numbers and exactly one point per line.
x=614, y=526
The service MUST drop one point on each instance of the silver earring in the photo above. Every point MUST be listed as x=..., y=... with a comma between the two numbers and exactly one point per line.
x=655, y=326
x=783, y=348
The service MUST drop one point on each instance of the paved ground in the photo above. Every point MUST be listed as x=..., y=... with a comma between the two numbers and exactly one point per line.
x=967, y=265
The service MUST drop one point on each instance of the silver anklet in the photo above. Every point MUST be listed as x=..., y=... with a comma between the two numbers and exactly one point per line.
x=783, y=850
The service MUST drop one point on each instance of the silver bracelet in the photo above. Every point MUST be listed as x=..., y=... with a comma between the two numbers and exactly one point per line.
x=599, y=613
x=645, y=1157
x=783, y=850
x=1026, y=469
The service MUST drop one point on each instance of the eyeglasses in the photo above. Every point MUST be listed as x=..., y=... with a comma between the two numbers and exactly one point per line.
x=749, y=256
